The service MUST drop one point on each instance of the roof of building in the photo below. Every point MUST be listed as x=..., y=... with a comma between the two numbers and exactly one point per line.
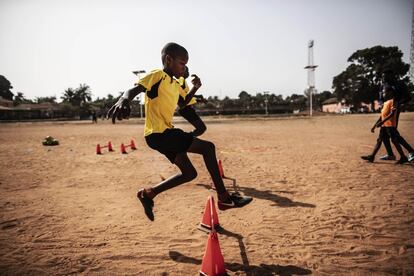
x=40, y=106
x=330, y=101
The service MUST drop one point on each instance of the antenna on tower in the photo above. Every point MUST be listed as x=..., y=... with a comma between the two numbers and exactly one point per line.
x=311, y=74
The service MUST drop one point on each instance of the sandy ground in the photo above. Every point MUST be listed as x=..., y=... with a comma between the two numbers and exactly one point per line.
x=317, y=209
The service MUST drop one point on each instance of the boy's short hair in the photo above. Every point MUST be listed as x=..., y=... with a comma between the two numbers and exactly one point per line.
x=174, y=50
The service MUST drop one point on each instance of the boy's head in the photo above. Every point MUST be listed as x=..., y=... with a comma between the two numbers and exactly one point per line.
x=388, y=92
x=174, y=58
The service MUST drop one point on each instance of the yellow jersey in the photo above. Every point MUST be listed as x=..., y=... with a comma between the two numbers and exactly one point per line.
x=161, y=98
x=186, y=89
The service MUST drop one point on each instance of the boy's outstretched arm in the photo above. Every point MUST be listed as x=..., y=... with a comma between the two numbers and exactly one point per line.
x=375, y=125
x=121, y=109
x=196, y=85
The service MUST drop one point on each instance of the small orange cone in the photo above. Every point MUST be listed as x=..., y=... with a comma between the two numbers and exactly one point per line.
x=110, y=146
x=133, y=145
x=123, y=150
x=98, y=149
x=221, y=168
x=213, y=261
x=209, y=211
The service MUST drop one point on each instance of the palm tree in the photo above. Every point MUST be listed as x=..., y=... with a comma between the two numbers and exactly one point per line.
x=68, y=95
x=78, y=97
x=83, y=94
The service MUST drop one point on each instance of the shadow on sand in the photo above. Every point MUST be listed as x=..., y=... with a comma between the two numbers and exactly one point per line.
x=279, y=201
x=262, y=269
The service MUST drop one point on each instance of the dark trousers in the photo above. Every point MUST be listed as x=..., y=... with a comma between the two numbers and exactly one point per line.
x=397, y=138
x=383, y=137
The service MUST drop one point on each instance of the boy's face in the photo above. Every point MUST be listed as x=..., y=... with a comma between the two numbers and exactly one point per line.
x=176, y=65
x=186, y=73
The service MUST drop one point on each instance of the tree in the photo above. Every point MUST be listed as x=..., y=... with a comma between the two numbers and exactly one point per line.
x=362, y=79
x=245, y=100
x=297, y=101
x=321, y=97
x=46, y=99
x=78, y=97
x=5, y=87
x=20, y=99
x=68, y=96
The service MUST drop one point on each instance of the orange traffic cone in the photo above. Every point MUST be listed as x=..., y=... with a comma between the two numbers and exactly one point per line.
x=210, y=215
x=123, y=150
x=221, y=168
x=110, y=146
x=213, y=261
x=98, y=149
x=133, y=145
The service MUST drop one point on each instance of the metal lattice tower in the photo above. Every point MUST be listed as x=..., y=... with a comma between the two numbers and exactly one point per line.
x=412, y=48
x=311, y=74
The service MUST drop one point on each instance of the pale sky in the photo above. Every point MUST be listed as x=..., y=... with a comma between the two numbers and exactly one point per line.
x=47, y=46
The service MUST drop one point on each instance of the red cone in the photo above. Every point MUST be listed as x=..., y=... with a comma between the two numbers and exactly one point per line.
x=123, y=150
x=213, y=261
x=221, y=168
x=133, y=145
x=98, y=149
x=110, y=146
x=210, y=210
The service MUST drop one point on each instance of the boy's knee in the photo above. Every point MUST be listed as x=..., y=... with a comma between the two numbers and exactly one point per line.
x=190, y=175
x=202, y=129
x=210, y=146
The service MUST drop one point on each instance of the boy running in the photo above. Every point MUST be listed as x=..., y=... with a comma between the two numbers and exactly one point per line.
x=162, y=90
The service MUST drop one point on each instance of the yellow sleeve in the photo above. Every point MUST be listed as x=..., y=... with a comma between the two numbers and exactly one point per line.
x=184, y=91
x=192, y=101
x=152, y=78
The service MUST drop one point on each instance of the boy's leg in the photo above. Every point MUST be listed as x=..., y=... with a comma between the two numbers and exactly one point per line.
x=387, y=145
x=377, y=146
x=396, y=141
x=187, y=174
x=225, y=200
x=192, y=117
x=403, y=142
x=208, y=150
x=199, y=126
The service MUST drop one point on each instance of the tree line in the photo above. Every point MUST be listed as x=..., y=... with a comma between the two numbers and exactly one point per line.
x=368, y=70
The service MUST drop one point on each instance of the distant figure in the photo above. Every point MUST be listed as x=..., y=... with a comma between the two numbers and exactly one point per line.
x=187, y=111
x=94, y=118
x=162, y=91
x=386, y=139
x=388, y=123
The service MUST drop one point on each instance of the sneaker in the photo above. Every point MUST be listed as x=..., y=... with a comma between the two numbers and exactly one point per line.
x=411, y=156
x=234, y=201
x=147, y=203
x=388, y=157
x=369, y=158
x=401, y=161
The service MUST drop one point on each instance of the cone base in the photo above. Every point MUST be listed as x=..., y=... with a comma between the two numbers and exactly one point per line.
x=207, y=229
x=205, y=274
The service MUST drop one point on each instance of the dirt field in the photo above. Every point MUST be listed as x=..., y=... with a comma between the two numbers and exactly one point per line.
x=317, y=208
